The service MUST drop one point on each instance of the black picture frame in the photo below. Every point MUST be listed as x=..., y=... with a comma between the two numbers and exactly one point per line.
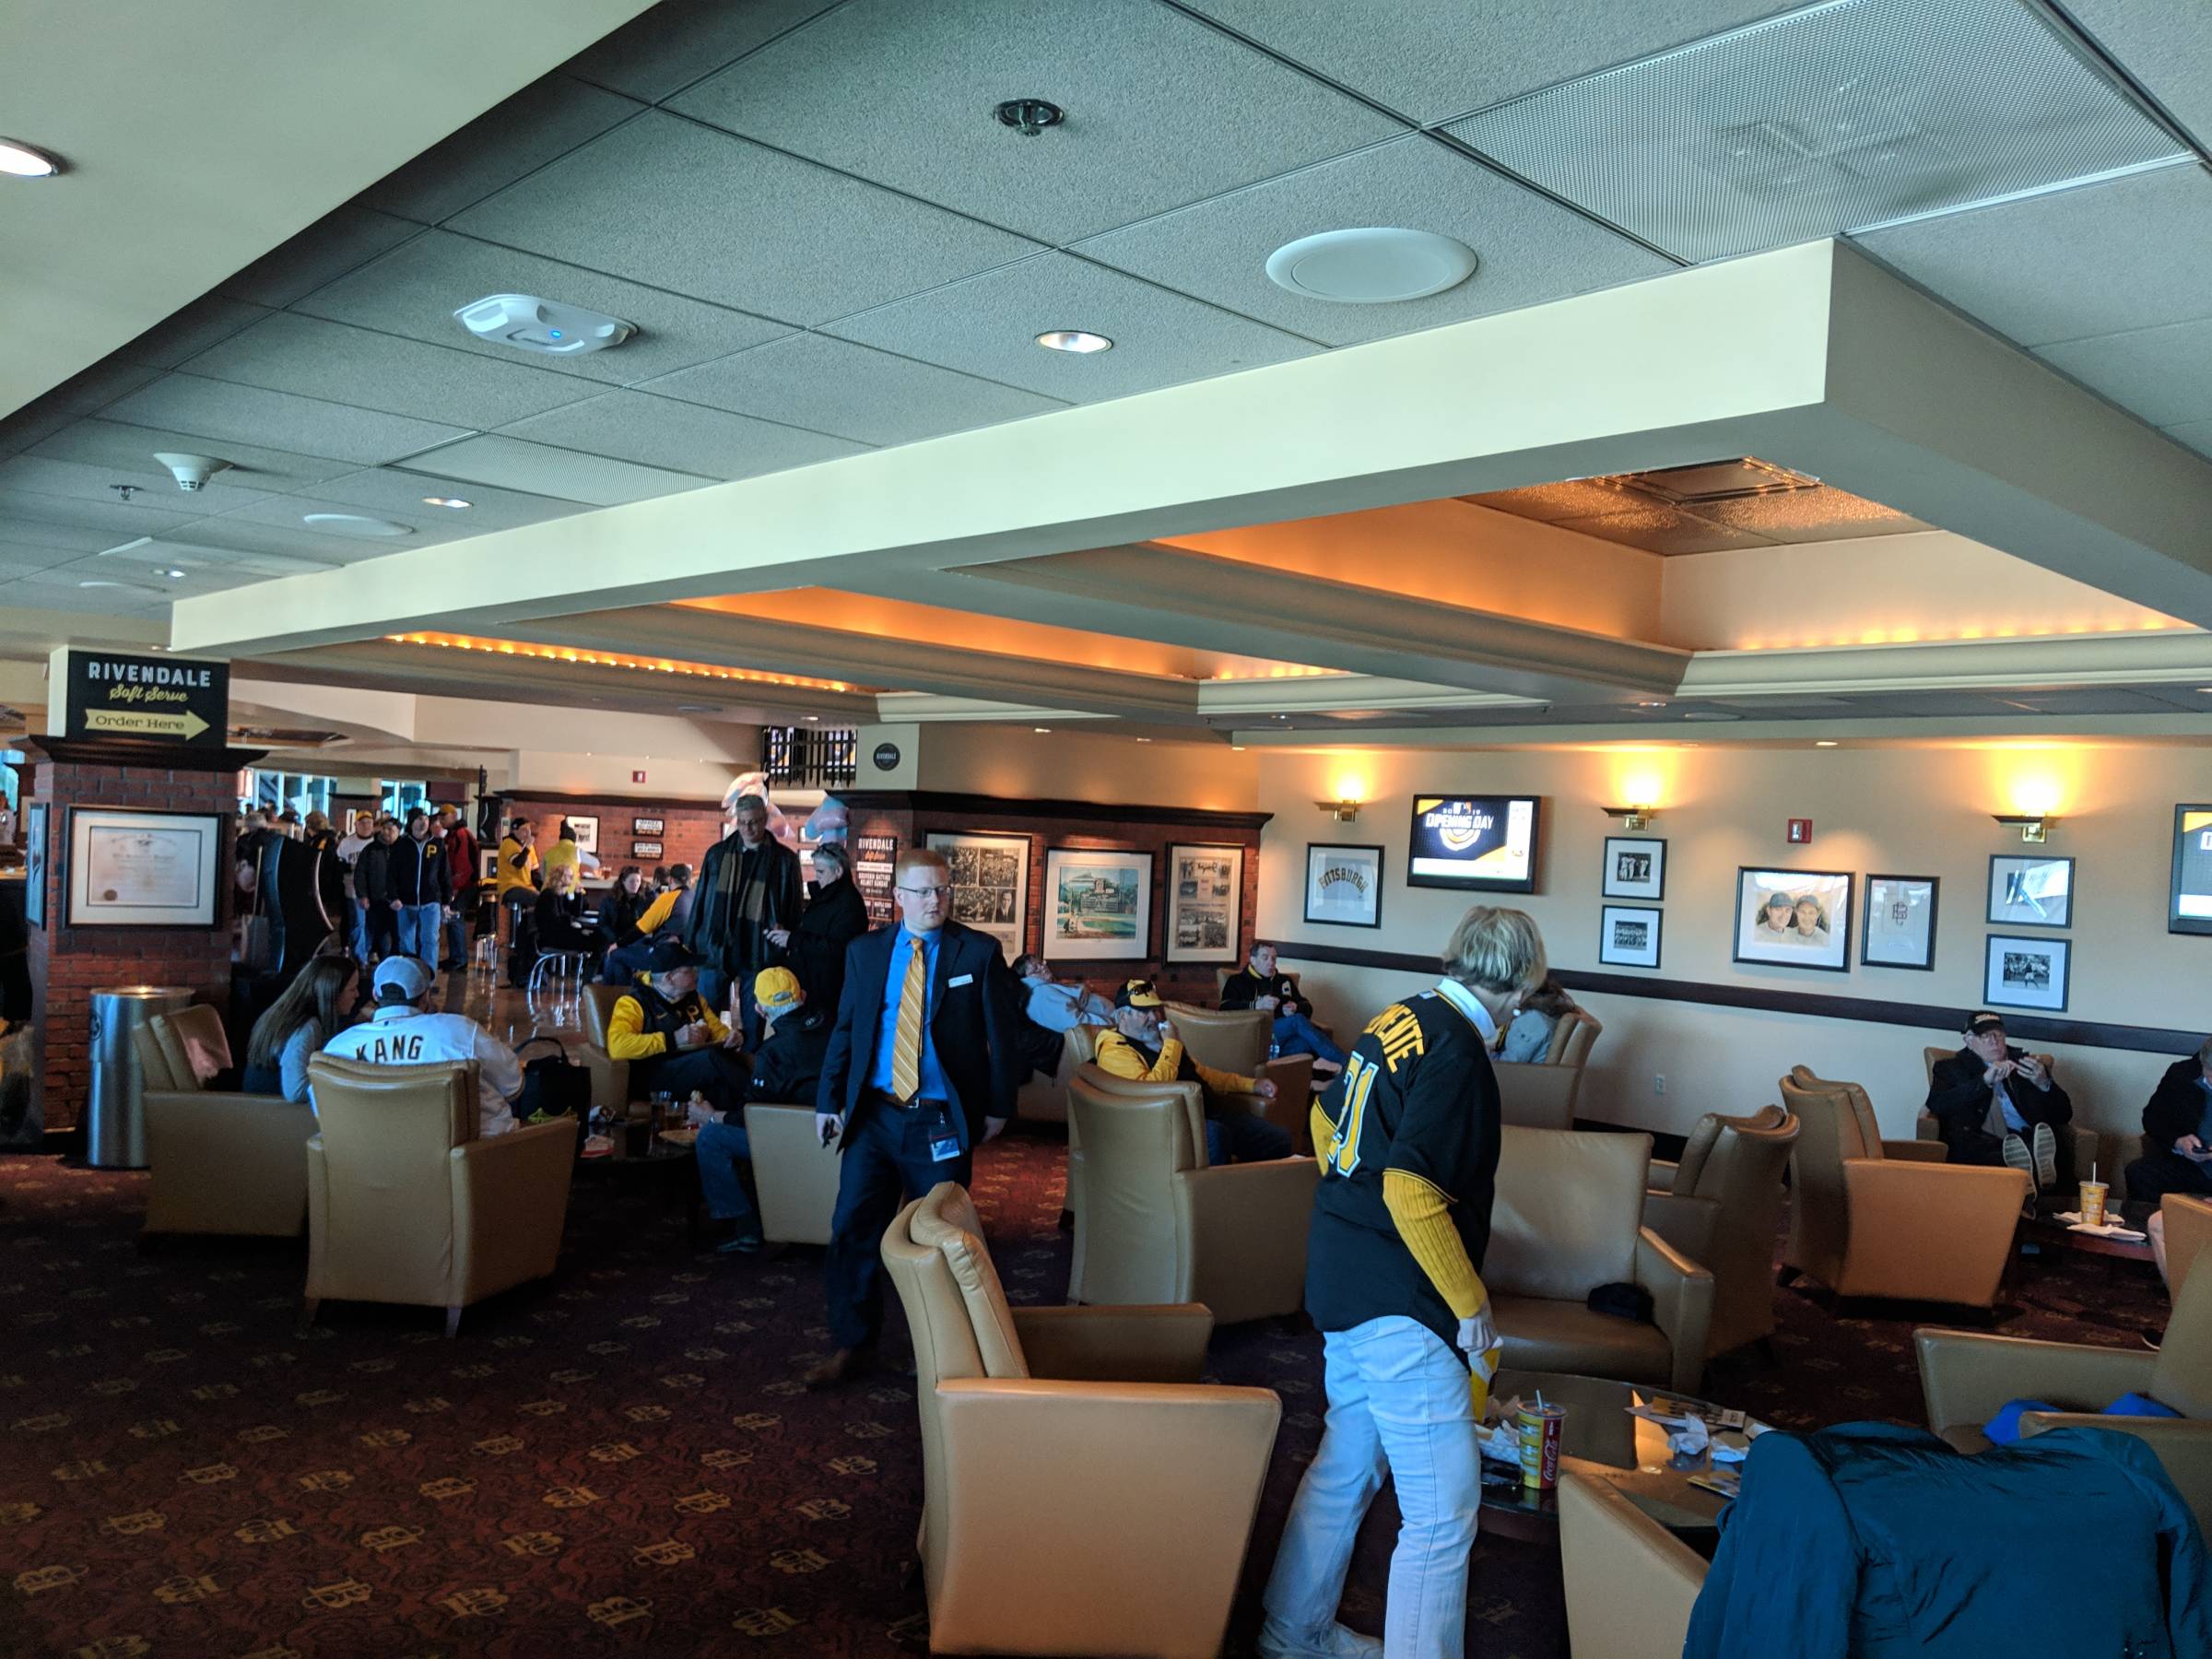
x=1990, y=899
x=646, y=826
x=1654, y=848
x=2199, y=919
x=645, y=849
x=1376, y=884
x=36, y=852
x=1782, y=879
x=1231, y=951
x=1934, y=886
x=1606, y=912
x=1993, y=953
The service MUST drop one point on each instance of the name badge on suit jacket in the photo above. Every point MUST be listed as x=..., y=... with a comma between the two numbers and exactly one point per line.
x=965, y=978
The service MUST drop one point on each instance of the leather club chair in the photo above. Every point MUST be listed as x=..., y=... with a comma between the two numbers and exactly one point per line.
x=794, y=1176
x=1630, y=1584
x=222, y=1162
x=1044, y=1099
x=1890, y=1218
x=1965, y=1376
x=2087, y=1150
x=195, y=1043
x=404, y=1204
x=2188, y=1225
x=1536, y=1094
x=610, y=1077
x=1567, y=1217
x=1722, y=1208
x=1158, y=1225
x=1237, y=1039
x=1082, y=1492
x=1572, y=1037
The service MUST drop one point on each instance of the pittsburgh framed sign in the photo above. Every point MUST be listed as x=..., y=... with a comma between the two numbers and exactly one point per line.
x=148, y=699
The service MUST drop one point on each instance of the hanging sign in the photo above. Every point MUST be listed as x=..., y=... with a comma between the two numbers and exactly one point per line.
x=151, y=699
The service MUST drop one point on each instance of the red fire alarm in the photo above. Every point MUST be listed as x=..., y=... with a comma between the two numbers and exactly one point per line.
x=1801, y=832
x=637, y=777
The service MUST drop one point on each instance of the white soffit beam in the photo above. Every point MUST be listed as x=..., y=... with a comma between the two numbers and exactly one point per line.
x=2171, y=658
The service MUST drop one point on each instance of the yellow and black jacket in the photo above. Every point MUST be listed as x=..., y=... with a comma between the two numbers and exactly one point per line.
x=1168, y=1063
x=644, y=1026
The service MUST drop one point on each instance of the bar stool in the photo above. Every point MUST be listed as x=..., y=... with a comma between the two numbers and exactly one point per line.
x=565, y=967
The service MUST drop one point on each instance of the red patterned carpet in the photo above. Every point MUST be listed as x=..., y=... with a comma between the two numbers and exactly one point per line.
x=617, y=1461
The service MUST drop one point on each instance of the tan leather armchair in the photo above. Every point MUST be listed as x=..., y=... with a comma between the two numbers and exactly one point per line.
x=2188, y=1226
x=1536, y=1094
x=1237, y=1041
x=1966, y=1375
x=1722, y=1208
x=1876, y=1218
x=1043, y=1100
x=794, y=1176
x=1158, y=1225
x=193, y=1042
x=404, y=1204
x=1571, y=1038
x=610, y=1077
x=1630, y=1584
x=2084, y=1140
x=221, y=1162
x=1082, y=1492
x=1567, y=1217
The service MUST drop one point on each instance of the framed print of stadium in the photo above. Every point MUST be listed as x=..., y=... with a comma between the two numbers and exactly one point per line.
x=1205, y=903
x=1098, y=905
x=1793, y=918
x=2189, y=895
x=1478, y=843
x=990, y=883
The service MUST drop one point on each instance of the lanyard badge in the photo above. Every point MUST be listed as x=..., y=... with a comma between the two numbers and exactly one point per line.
x=944, y=1142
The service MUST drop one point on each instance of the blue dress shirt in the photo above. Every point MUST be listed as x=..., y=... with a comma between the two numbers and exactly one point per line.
x=933, y=1084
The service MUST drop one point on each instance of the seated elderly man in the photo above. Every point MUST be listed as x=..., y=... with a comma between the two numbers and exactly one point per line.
x=403, y=1031
x=1258, y=985
x=1144, y=1048
x=2177, y=1134
x=671, y=1039
x=1995, y=1104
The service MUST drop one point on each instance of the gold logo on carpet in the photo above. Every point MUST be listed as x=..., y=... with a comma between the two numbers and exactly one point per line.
x=264, y=1532
x=511, y=1341
x=852, y=1466
x=383, y=1439
x=215, y=1391
x=187, y=1587
x=130, y=1526
x=617, y=1611
x=668, y=1552
x=19, y=1514
x=569, y=1379
x=208, y=1474
x=370, y=1368
x=383, y=1538
x=870, y=1429
x=683, y=1380
x=613, y=1452
x=85, y=1468
x=446, y=1486
x=480, y=1603
x=45, y=1422
x=499, y=1445
x=608, y=1347
x=787, y=1389
x=705, y=1356
x=704, y=1502
x=532, y=1543
x=114, y=1647
x=735, y=1327
x=640, y=1322
x=648, y=1414
x=169, y=1356
x=543, y=1408
x=318, y=1396
x=263, y=1433
x=112, y=1386
x=326, y=1480
x=569, y=1497
x=798, y=1562
x=427, y=1406
x=344, y=1592
x=40, y=1580
x=764, y=1621
x=823, y=1509
x=154, y=1429
x=755, y=1421
x=724, y=1457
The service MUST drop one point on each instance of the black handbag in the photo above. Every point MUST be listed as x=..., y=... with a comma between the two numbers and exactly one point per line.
x=553, y=1084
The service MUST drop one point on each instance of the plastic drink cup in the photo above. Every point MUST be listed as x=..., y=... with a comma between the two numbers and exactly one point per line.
x=2092, y=1202
x=1539, y=1428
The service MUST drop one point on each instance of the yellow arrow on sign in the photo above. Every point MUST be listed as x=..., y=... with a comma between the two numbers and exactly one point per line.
x=144, y=723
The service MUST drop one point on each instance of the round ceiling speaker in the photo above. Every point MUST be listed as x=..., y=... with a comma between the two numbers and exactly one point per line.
x=353, y=524
x=1371, y=266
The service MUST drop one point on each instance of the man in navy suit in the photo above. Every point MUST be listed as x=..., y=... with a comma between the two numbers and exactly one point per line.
x=922, y=1069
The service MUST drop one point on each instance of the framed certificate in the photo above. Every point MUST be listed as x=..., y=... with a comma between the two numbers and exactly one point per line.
x=143, y=869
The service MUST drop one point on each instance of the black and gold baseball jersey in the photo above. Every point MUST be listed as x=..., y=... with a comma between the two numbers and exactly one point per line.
x=1416, y=1097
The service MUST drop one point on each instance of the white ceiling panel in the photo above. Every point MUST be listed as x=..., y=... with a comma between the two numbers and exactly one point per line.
x=153, y=487
x=537, y=469
x=312, y=358
x=292, y=540
x=191, y=331
x=2197, y=434
x=218, y=412
x=2128, y=253
x=91, y=390
x=678, y=42
x=428, y=525
x=543, y=121
x=989, y=326
x=2166, y=44
x=2162, y=374
x=328, y=248
x=389, y=492
x=19, y=532
x=1532, y=250
x=660, y=431
x=113, y=520
x=414, y=291
x=1135, y=142
x=18, y=556
x=131, y=449
x=667, y=202
x=828, y=386
x=1433, y=59
x=33, y=424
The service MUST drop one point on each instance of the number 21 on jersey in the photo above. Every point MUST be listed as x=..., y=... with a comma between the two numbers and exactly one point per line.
x=1344, y=1144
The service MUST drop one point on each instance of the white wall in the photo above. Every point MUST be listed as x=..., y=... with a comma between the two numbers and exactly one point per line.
x=1901, y=811
x=1077, y=765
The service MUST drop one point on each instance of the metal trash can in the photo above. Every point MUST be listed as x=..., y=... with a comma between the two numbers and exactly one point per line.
x=115, y=1113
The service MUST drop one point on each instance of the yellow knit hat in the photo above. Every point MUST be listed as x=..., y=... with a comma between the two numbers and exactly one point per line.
x=776, y=990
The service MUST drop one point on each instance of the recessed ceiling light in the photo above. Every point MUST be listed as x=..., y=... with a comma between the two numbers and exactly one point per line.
x=171, y=571
x=20, y=160
x=354, y=523
x=1824, y=743
x=1040, y=729
x=1652, y=702
x=455, y=502
x=1143, y=739
x=1074, y=339
x=1374, y=265
x=814, y=717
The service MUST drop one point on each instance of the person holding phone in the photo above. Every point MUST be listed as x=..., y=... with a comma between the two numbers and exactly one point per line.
x=1996, y=1104
x=2177, y=1132
x=671, y=1038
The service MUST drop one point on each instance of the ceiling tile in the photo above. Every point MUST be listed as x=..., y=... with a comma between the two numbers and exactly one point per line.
x=415, y=289
x=429, y=524
x=2163, y=375
x=1664, y=530
x=1135, y=142
x=543, y=121
x=2197, y=434
x=131, y=449
x=154, y=487
x=20, y=555
x=1532, y=250
x=330, y=247
x=391, y=492
x=2128, y=253
x=989, y=326
x=829, y=386
x=533, y=467
x=191, y=331
x=1430, y=59
x=34, y=423
x=113, y=520
x=637, y=426
x=41, y=594
x=674, y=43
x=18, y=531
x=291, y=540
x=680, y=205
x=219, y=412
x=91, y=390
x=2165, y=46
x=331, y=360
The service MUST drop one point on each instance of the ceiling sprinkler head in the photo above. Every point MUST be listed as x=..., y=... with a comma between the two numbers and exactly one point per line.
x=1029, y=116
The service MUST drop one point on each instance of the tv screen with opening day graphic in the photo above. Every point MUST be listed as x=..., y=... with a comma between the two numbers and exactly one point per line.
x=1486, y=843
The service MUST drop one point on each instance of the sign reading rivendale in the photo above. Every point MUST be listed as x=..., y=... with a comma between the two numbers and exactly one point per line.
x=153, y=699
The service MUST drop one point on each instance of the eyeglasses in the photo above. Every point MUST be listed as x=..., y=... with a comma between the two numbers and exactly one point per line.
x=925, y=892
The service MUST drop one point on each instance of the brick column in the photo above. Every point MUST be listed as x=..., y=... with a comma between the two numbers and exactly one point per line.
x=67, y=964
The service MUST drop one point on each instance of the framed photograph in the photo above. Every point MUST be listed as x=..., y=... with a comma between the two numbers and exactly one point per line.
x=1098, y=905
x=644, y=849
x=1205, y=903
x=1635, y=867
x=34, y=869
x=1628, y=935
x=2030, y=890
x=1344, y=885
x=1793, y=918
x=1898, y=928
x=645, y=827
x=587, y=833
x=990, y=883
x=143, y=869
x=2021, y=973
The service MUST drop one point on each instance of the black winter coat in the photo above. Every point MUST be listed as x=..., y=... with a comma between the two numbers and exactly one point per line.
x=838, y=916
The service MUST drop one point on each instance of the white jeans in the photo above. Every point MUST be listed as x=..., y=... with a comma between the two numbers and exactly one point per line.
x=1398, y=1404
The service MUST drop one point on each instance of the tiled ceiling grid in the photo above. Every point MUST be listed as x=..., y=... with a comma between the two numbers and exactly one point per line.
x=828, y=245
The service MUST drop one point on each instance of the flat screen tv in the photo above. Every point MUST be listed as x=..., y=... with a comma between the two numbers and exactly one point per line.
x=1485, y=843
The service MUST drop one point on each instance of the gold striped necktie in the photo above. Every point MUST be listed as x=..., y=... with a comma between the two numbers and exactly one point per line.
x=906, y=1052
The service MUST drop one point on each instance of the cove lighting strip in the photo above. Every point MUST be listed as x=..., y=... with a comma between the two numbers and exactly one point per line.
x=609, y=659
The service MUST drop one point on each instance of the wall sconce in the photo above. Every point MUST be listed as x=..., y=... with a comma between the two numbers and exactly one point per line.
x=1346, y=811
x=2032, y=825
x=1632, y=818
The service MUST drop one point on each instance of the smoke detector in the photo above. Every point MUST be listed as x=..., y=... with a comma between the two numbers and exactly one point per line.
x=543, y=325
x=1375, y=265
x=191, y=472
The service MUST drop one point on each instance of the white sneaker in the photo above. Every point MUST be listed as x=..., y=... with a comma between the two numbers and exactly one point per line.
x=1333, y=1641
x=2046, y=1157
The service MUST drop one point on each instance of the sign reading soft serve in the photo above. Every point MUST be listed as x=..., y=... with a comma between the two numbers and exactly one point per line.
x=150, y=699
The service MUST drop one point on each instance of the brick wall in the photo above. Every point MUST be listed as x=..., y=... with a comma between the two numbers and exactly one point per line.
x=67, y=964
x=691, y=826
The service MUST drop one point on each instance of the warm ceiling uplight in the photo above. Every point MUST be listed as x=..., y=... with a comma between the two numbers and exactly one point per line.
x=1043, y=729
x=1824, y=743
x=1074, y=339
x=20, y=160
x=455, y=502
x=613, y=659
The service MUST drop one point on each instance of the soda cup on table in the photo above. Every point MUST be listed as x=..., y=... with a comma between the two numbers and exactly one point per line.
x=1539, y=1426
x=2093, y=1194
